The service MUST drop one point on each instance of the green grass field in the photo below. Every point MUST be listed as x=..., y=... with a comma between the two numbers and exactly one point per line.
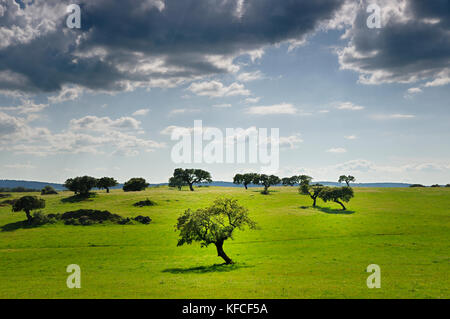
x=297, y=252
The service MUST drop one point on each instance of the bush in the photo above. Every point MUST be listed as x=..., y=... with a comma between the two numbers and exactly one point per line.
x=5, y=195
x=143, y=219
x=143, y=203
x=435, y=185
x=416, y=185
x=135, y=184
x=39, y=219
x=48, y=190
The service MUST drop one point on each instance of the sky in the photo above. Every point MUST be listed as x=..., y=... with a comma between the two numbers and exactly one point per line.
x=102, y=100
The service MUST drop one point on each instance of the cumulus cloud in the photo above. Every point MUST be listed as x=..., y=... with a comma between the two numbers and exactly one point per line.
x=95, y=123
x=393, y=116
x=66, y=94
x=349, y=106
x=283, y=108
x=337, y=150
x=379, y=56
x=141, y=112
x=138, y=49
x=218, y=89
x=250, y=76
x=27, y=106
x=89, y=134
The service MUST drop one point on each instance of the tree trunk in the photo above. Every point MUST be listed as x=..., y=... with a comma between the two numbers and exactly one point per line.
x=221, y=253
x=343, y=207
x=245, y=185
x=191, y=188
x=107, y=189
x=314, y=201
x=28, y=216
x=348, y=184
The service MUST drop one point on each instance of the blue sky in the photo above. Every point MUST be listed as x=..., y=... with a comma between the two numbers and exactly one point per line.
x=379, y=113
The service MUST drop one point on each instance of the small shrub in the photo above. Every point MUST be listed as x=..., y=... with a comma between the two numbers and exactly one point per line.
x=143, y=203
x=48, y=190
x=143, y=219
x=39, y=219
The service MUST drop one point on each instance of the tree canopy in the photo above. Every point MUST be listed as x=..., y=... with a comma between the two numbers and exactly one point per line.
x=27, y=204
x=337, y=195
x=191, y=176
x=244, y=179
x=106, y=183
x=81, y=185
x=48, y=190
x=312, y=191
x=290, y=181
x=266, y=181
x=213, y=224
x=135, y=184
x=347, y=179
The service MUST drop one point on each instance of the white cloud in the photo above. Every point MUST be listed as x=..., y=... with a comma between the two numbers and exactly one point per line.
x=393, y=116
x=183, y=111
x=338, y=150
x=251, y=100
x=66, y=94
x=414, y=90
x=225, y=105
x=95, y=123
x=27, y=106
x=250, y=76
x=217, y=89
x=349, y=106
x=283, y=108
x=141, y=112
x=442, y=78
x=20, y=166
x=351, y=137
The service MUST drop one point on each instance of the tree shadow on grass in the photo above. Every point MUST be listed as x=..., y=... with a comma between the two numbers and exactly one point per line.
x=206, y=269
x=327, y=210
x=18, y=225
x=79, y=198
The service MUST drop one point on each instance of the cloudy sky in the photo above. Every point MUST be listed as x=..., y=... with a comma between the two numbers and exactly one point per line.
x=348, y=99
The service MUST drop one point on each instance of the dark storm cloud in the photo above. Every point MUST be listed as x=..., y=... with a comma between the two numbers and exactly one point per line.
x=126, y=43
x=412, y=45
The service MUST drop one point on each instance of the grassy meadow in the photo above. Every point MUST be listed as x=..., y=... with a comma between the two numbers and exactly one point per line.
x=298, y=252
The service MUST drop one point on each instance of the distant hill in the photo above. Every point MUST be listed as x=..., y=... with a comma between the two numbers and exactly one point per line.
x=40, y=185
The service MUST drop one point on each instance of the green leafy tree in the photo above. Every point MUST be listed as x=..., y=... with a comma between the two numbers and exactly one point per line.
x=347, y=179
x=106, y=183
x=435, y=185
x=266, y=181
x=177, y=182
x=27, y=204
x=448, y=185
x=290, y=181
x=135, y=184
x=213, y=225
x=337, y=195
x=48, y=190
x=306, y=188
x=192, y=176
x=81, y=185
x=244, y=179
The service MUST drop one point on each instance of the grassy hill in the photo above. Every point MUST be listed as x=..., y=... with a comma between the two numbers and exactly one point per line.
x=298, y=252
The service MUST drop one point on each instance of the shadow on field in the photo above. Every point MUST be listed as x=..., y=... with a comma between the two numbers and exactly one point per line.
x=206, y=269
x=327, y=210
x=79, y=198
x=17, y=225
